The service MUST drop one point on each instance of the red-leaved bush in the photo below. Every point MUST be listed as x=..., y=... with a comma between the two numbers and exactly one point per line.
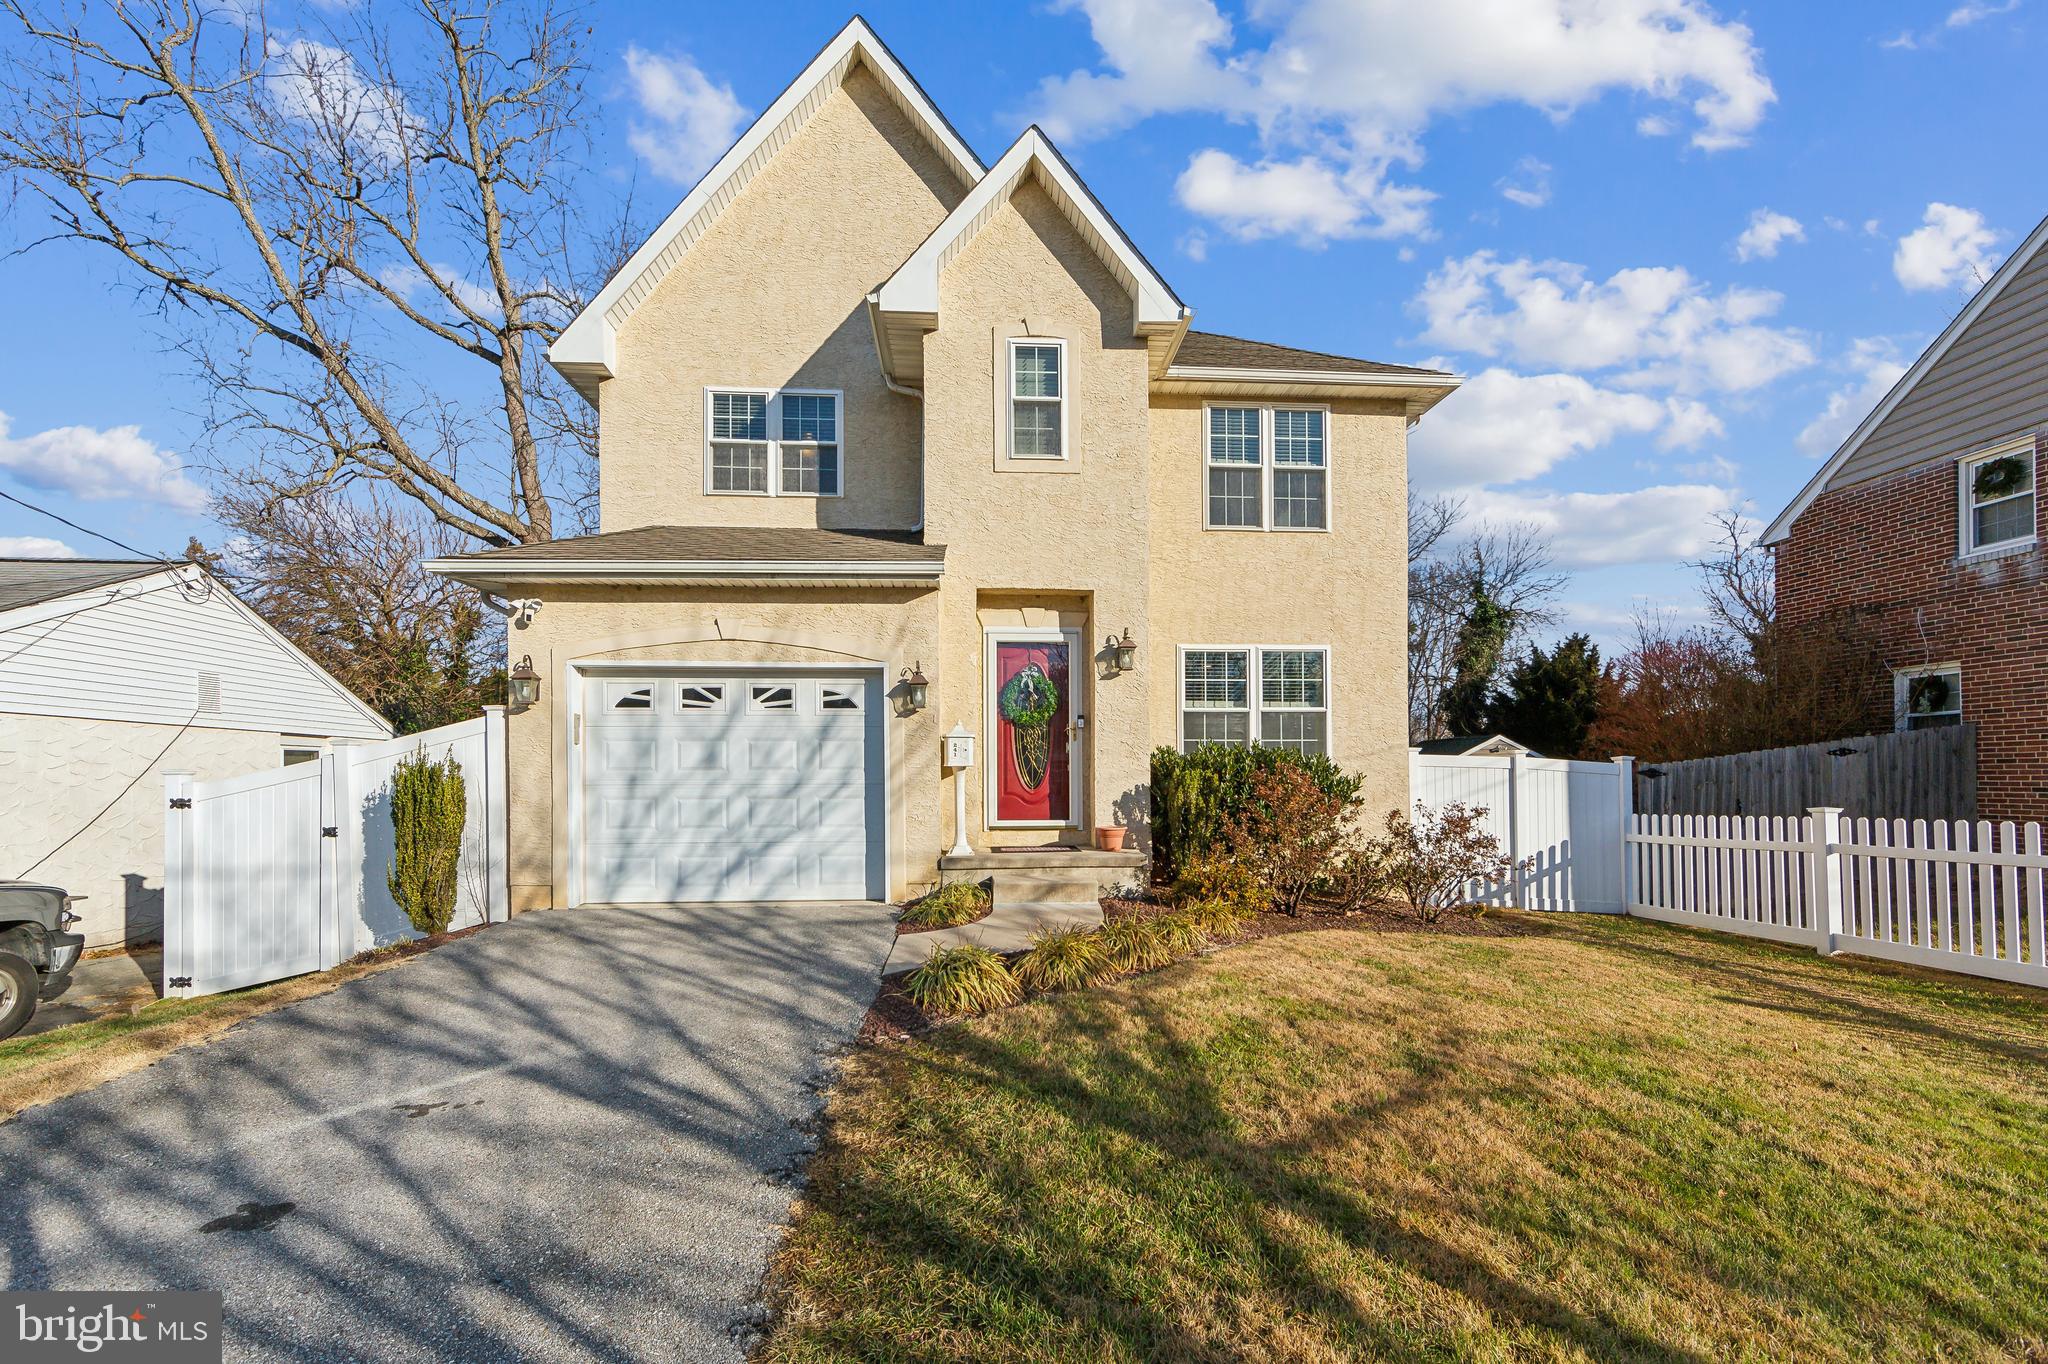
x=1432, y=859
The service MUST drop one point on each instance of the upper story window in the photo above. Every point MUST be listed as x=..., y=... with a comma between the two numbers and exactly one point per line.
x=1273, y=696
x=1266, y=468
x=1038, y=399
x=773, y=442
x=1928, y=698
x=1998, y=498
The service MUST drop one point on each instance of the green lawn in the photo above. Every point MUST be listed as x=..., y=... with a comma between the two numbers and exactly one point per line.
x=1605, y=1139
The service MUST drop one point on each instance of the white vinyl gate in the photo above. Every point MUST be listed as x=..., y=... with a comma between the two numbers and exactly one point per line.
x=1560, y=822
x=280, y=872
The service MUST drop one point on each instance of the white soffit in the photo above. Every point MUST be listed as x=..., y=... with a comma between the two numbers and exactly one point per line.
x=586, y=350
x=1929, y=358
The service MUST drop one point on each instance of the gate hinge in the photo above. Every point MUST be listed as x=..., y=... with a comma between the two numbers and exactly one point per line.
x=180, y=982
x=181, y=802
x=330, y=831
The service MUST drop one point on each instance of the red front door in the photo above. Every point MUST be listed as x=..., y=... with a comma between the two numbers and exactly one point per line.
x=1032, y=725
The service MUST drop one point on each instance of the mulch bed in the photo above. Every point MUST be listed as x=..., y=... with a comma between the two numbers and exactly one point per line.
x=893, y=1018
x=412, y=947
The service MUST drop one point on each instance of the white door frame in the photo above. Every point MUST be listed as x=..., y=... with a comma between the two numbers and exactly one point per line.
x=578, y=673
x=1077, y=733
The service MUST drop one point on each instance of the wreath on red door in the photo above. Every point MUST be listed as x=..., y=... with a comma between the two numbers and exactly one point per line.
x=1028, y=701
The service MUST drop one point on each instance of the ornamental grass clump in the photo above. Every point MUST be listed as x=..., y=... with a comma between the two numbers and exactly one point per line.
x=1180, y=933
x=962, y=980
x=948, y=907
x=1066, y=958
x=1219, y=918
x=1135, y=944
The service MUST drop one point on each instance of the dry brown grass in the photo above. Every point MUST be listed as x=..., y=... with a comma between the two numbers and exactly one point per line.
x=1600, y=1140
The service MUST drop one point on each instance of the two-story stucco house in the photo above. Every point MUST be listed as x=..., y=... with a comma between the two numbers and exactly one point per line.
x=1925, y=534
x=894, y=445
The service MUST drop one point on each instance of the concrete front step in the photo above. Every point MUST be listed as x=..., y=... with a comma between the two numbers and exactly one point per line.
x=1008, y=928
x=1059, y=876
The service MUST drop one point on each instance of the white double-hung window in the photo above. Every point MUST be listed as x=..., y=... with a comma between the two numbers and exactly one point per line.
x=773, y=442
x=1274, y=695
x=1998, y=498
x=1266, y=468
x=1038, y=398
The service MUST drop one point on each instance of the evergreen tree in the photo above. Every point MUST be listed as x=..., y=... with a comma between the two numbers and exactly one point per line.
x=1551, y=699
x=1482, y=639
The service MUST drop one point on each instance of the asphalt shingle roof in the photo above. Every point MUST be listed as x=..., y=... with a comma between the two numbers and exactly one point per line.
x=1213, y=350
x=26, y=582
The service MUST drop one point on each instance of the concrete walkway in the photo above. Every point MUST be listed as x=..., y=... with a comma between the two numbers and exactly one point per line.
x=570, y=1137
x=1007, y=929
x=102, y=987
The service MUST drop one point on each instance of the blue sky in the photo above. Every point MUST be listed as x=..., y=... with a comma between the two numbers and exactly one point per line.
x=1680, y=248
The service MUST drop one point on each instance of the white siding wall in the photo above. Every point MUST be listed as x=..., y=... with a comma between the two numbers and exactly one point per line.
x=141, y=657
x=57, y=773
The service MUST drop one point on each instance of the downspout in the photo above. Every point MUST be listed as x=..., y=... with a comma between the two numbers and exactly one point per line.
x=889, y=381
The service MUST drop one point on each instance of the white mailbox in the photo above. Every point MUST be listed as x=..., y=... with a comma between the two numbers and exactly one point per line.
x=959, y=747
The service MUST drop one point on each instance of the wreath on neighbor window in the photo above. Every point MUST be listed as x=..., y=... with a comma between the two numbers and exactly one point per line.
x=1029, y=699
x=2001, y=477
x=1928, y=695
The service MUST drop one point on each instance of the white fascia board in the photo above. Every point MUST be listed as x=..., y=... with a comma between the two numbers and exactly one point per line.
x=914, y=288
x=589, y=343
x=683, y=570
x=1929, y=358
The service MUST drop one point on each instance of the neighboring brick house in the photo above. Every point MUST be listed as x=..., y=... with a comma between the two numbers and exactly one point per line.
x=1924, y=534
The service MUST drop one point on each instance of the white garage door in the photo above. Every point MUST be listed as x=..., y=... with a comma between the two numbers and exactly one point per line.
x=731, y=786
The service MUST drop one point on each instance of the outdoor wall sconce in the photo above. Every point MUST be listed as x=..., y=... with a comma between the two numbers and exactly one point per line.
x=917, y=693
x=1124, y=651
x=522, y=684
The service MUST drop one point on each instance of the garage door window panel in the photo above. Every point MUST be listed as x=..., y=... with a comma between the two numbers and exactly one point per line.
x=695, y=696
x=763, y=699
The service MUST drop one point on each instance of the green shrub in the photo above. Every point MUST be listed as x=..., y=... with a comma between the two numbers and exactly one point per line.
x=1180, y=933
x=1064, y=958
x=1218, y=918
x=428, y=808
x=1216, y=875
x=1290, y=836
x=1135, y=944
x=962, y=980
x=948, y=906
x=1195, y=794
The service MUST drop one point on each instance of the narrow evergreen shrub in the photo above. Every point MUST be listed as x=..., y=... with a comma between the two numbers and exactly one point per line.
x=1135, y=944
x=1217, y=875
x=428, y=808
x=966, y=979
x=948, y=907
x=1064, y=958
x=1194, y=795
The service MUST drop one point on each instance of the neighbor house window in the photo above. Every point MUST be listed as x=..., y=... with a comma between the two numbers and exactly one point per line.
x=773, y=443
x=1267, y=468
x=1998, y=498
x=1273, y=695
x=1038, y=399
x=1928, y=698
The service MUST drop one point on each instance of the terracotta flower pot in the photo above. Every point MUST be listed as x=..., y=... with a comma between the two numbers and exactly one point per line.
x=1110, y=837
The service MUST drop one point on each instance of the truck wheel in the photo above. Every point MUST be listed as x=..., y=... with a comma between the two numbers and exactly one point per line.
x=18, y=986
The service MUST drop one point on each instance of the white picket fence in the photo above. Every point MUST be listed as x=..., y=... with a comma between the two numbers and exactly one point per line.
x=1560, y=822
x=1957, y=896
x=280, y=872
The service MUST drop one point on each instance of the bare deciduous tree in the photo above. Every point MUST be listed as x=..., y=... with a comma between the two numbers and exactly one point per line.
x=1510, y=564
x=363, y=235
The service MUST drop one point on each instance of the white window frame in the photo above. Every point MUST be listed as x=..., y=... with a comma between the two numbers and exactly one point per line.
x=1967, y=504
x=1902, y=691
x=1267, y=468
x=1061, y=402
x=1255, y=691
x=775, y=441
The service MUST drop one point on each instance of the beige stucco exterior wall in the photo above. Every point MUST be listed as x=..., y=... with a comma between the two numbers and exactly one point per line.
x=58, y=773
x=1035, y=539
x=895, y=627
x=1347, y=589
x=774, y=296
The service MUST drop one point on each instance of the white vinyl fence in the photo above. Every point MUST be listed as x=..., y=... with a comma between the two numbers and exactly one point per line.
x=279, y=872
x=1561, y=823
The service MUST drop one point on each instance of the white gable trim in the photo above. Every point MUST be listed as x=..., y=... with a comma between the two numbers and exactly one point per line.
x=914, y=288
x=586, y=351
x=1815, y=486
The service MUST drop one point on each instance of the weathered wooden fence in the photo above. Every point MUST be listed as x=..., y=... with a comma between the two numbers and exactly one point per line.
x=1919, y=774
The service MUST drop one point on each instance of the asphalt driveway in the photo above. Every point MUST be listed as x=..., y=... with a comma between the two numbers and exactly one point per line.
x=570, y=1137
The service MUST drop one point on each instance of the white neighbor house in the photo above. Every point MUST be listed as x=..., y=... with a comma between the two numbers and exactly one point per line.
x=113, y=673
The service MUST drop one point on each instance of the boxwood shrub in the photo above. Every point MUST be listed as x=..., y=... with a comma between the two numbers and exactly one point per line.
x=1194, y=794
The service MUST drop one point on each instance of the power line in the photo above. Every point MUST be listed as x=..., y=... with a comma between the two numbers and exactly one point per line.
x=102, y=812
x=113, y=598
x=82, y=530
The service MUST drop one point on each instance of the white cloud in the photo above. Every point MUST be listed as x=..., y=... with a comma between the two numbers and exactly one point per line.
x=1309, y=199
x=1657, y=525
x=1975, y=11
x=34, y=547
x=689, y=121
x=315, y=83
x=1504, y=427
x=1767, y=231
x=1528, y=186
x=1340, y=92
x=1657, y=324
x=407, y=279
x=1876, y=364
x=1954, y=248
x=99, y=465
x=1655, y=125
